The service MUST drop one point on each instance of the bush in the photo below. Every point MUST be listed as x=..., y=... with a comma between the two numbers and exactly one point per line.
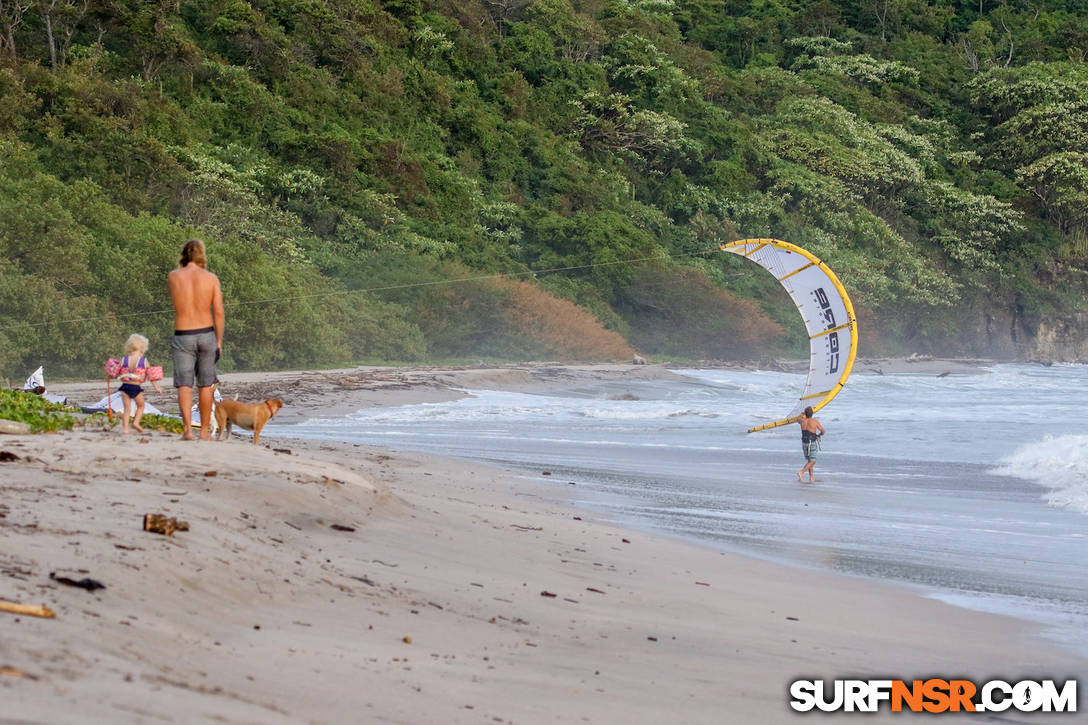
x=35, y=411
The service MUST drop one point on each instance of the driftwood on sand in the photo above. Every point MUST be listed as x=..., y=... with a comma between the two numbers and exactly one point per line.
x=29, y=609
x=13, y=427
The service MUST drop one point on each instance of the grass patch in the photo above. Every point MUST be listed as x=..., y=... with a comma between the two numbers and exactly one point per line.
x=150, y=421
x=34, y=410
x=44, y=416
x=163, y=423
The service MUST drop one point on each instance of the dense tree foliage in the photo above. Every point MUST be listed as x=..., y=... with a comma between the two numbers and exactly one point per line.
x=365, y=171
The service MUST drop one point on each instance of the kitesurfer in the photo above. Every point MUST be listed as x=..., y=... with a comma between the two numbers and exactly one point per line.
x=811, y=431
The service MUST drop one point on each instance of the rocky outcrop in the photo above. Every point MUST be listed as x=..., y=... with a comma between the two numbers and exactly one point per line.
x=996, y=331
x=1063, y=339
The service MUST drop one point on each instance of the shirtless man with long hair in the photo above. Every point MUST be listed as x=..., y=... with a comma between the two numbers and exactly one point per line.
x=811, y=430
x=198, y=334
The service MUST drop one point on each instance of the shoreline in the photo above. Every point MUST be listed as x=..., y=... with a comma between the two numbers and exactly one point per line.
x=339, y=391
x=330, y=582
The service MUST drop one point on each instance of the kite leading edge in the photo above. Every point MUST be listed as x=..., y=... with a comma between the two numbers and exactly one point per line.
x=827, y=311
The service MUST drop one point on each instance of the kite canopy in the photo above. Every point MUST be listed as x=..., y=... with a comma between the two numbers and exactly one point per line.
x=36, y=380
x=826, y=309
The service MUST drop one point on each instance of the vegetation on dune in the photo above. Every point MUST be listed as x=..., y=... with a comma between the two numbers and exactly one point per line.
x=363, y=170
x=44, y=416
x=35, y=411
x=150, y=421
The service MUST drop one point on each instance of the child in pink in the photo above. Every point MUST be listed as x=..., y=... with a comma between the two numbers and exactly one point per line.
x=133, y=372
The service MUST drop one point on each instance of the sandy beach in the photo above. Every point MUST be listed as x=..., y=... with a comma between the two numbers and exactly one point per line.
x=322, y=582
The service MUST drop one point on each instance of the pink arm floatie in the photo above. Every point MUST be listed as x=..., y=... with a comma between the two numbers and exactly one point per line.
x=113, y=368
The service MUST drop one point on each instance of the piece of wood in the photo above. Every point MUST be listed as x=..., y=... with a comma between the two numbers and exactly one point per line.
x=163, y=524
x=15, y=672
x=14, y=427
x=30, y=609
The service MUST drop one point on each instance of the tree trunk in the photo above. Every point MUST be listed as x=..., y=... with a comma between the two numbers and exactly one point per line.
x=49, y=37
x=11, y=16
x=880, y=10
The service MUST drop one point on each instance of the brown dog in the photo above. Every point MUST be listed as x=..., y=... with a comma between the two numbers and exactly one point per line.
x=251, y=416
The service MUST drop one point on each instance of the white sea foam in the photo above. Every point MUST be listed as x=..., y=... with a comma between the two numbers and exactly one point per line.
x=516, y=409
x=1057, y=463
x=643, y=413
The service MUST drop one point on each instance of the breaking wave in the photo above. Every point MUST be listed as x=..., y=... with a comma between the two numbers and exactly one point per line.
x=1057, y=463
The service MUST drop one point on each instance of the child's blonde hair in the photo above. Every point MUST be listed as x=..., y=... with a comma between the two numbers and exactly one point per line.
x=136, y=343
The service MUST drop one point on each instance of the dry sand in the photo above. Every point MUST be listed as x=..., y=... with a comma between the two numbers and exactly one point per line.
x=332, y=583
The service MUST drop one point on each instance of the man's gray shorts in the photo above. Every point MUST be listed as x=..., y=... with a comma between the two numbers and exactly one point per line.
x=194, y=358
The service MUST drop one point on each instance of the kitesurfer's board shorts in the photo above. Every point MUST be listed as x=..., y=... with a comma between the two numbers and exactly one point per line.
x=810, y=450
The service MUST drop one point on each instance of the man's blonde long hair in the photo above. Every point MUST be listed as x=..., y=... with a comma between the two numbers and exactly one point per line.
x=193, y=251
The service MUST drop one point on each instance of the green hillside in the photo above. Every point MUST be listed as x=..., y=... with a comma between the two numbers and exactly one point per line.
x=396, y=181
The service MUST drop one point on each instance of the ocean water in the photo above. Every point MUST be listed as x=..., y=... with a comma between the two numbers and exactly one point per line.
x=973, y=487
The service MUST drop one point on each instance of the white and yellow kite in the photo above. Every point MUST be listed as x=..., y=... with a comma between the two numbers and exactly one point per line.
x=826, y=309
